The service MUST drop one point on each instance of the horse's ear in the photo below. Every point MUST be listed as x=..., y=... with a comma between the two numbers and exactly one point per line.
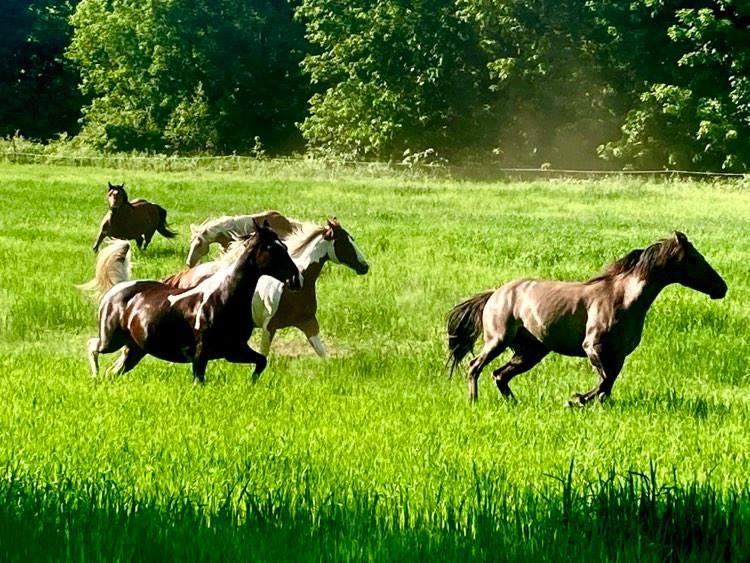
x=680, y=238
x=266, y=224
x=109, y=185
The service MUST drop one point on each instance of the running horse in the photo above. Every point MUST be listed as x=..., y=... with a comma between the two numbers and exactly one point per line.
x=311, y=246
x=209, y=321
x=224, y=230
x=600, y=319
x=132, y=220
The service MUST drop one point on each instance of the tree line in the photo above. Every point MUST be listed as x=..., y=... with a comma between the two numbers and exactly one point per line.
x=591, y=83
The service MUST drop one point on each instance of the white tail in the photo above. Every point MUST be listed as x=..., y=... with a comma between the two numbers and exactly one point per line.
x=112, y=267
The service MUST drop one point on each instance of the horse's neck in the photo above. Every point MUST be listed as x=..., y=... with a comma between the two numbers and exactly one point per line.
x=311, y=274
x=639, y=293
x=312, y=259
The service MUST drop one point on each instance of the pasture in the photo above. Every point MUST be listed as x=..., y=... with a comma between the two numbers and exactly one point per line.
x=375, y=453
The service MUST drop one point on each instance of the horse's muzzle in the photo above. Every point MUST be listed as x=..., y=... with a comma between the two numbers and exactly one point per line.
x=718, y=292
x=362, y=269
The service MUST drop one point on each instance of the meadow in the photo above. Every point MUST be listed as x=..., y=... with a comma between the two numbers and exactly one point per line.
x=375, y=453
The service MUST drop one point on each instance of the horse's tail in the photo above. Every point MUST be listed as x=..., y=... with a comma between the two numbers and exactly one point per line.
x=464, y=326
x=112, y=267
x=163, y=228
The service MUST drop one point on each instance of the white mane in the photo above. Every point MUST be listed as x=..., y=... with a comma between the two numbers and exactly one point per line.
x=301, y=237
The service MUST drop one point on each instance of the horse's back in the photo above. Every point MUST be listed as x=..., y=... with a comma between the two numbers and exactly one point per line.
x=554, y=312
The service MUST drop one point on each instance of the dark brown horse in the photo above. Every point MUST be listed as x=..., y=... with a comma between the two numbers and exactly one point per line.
x=601, y=319
x=209, y=321
x=136, y=220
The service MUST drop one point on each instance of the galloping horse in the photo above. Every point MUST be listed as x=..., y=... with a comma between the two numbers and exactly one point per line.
x=209, y=321
x=274, y=308
x=601, y=319
x=224, y=230
x=132, y=220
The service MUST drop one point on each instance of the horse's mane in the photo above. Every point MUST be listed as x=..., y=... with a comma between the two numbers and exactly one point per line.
x=301, y=236
x=640, y=261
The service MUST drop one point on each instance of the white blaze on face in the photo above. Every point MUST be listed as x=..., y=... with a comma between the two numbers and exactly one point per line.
x=360, y=256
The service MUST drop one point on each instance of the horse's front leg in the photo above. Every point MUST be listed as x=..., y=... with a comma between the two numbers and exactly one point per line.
x=199, y=365
x=608, y=364
x=100, y=238
x=246, y=355
x=311, y=329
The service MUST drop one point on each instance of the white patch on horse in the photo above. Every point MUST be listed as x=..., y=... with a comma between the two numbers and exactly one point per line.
x=633, y=288
x=266, y=300
x=205, y=289
x=313, y=252
x=360, y=257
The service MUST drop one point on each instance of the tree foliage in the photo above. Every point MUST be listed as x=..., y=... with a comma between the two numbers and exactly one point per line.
x=391, y=75
x=189, y=75
x=633, y=83
x=38, y=91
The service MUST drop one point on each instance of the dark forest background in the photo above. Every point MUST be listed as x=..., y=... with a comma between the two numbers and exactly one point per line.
x=599, y=83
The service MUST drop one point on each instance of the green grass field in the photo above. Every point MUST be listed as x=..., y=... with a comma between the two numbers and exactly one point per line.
x=375, y=453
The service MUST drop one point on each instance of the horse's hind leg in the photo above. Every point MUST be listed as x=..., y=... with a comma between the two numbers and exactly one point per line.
x=247, y=355
x=105, y=344
x=147, y=236
x=491, y=350
x=129, y=358
x=93, y=350
x=528, y=353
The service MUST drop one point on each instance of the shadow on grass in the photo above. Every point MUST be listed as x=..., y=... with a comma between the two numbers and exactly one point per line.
x=623, y=518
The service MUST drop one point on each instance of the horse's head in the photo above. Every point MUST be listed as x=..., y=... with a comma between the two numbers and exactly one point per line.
x=343, y=248
x=688, y=267
x=116, y=195
x=198, y=246
x=272, y=258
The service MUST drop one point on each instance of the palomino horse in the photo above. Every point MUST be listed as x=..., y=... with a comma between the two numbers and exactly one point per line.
x=274, y=307
x=601, y=319
x=224, y=230
x=207, y=322
x=132, y=220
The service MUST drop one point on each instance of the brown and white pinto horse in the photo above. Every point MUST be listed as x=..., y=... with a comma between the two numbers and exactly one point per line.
x=132, y=220
x=207, y=322
x=225, y=230
x=274, y=307
x=601, y=319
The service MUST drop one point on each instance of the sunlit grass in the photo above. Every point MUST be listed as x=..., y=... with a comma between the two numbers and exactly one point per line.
x=374, y=450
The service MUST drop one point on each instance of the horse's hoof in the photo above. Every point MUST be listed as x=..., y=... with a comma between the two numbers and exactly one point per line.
x=575, y=401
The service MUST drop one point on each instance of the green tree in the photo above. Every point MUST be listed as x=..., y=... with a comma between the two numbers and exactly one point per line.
x=695, y=112
x=38, y=90
x=391, y=75
x=190, y=75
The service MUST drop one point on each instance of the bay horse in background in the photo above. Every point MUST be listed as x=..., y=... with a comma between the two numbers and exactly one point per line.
x=136, y=220
x=311, y=246
x=209, y=321
x=601, y=319
x=224, y=230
